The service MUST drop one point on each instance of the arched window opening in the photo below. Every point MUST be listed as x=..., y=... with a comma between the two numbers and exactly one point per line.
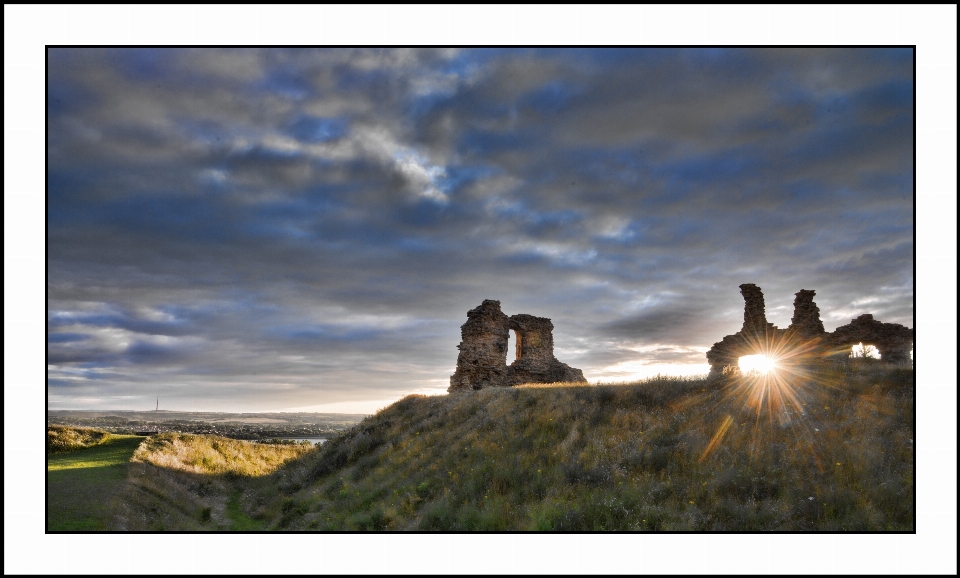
x=864, y=351
x=513, y=353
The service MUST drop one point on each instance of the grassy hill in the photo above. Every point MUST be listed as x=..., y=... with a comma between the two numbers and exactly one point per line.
x=183, y=481
x=830, y=451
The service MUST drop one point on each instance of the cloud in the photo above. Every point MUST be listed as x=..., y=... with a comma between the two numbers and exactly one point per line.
x=674, y=321
x=306, y=223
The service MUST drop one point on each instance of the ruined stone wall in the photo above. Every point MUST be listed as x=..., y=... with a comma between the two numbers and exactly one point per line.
x=756, y=335
x=805, y=341
x=754, y=311
x=805, y=323
x=892, y=340
x=535, y=362
x=482, y=361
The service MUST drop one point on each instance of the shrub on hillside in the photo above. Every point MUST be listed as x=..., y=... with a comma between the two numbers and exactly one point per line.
x=206, y=454
x=64, y=439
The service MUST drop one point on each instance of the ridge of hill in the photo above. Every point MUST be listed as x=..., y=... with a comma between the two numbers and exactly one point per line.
x=833, y=451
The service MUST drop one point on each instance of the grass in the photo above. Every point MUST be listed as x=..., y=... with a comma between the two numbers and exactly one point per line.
x=827, y=450
x=206, y=454
x=65, y=439
x=239, y=520
x=196, y=482
x=664, y=454
x=82, y=483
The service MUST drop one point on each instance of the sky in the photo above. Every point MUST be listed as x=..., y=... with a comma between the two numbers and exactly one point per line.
x=305, y=229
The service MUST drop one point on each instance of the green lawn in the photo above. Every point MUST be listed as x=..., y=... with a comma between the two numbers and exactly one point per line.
x=81, y=483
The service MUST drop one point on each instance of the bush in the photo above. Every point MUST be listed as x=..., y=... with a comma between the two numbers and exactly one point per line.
x=64, y=439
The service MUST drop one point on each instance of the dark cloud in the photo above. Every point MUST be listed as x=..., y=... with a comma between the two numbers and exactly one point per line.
x=279, y=227
x=66, y=337
x=670, y=322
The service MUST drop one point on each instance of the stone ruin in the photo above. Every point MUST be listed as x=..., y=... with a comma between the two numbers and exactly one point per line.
x=805, y=340
x=482, y=361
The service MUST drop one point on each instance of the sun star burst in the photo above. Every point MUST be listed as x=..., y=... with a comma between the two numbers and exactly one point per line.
x=759, y=363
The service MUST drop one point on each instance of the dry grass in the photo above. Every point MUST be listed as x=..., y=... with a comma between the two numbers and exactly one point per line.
x=834, y=453
x=64, y=439
x=194, y=482
x=663, y=454
x=205, y=454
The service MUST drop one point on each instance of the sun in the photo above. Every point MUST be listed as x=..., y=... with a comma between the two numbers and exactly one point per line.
x=759, y=363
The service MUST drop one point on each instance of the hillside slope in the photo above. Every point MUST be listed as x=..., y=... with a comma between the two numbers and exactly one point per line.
x=831, y=452
x=181, y=481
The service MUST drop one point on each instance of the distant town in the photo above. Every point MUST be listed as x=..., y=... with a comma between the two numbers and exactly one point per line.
x=242, y=426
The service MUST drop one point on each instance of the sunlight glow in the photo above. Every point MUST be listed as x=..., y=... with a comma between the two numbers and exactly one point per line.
x=635, y=370
x=760, y=363
x=513, y=346
x=869, y=351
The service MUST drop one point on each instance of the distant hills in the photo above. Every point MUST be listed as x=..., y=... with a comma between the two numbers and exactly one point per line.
x=234, y=425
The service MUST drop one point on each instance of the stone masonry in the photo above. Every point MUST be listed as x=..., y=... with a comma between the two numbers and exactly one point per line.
x=482, y=361
x=805, y=340
x=806, y=322
x=892, y=340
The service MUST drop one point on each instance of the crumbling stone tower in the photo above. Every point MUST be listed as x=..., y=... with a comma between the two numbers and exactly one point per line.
x=754, y=311
x=805, y=341
x=805, y=323
x=756, y=335
x=482, y=361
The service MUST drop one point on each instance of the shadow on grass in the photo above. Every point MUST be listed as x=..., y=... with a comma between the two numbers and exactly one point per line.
x=82, y=483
